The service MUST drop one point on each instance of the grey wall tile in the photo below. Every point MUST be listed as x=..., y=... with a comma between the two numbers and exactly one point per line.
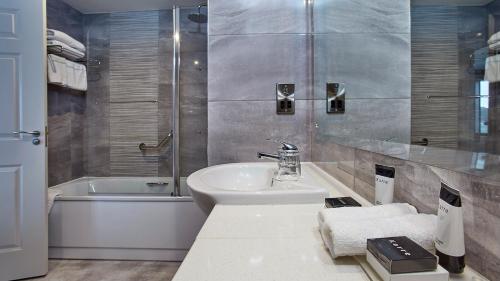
x=193, y=128
x=360, y=16
x=131, y=124
x=248, y=67
x=134, y=60
x=257, y=16
x=372, y=65
x=392, y=115
x=239, y=129
x=63, y=17
x=66, y=108
x=435, y=71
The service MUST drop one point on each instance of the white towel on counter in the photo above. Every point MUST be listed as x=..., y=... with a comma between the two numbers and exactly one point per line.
x=66, y=73
x=492, y=71
x=348, y=237
x=64, y=50
x=57, y=35
x=52, y=194
x=357, y=213
x=56, y=70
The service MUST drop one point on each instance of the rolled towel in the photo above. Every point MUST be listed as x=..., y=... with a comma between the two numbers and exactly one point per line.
x=348, y=238
x=53, y=34
x=356, y=213
x=52, y=194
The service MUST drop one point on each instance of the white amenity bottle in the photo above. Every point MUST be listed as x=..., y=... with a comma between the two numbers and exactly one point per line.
x=384, y=184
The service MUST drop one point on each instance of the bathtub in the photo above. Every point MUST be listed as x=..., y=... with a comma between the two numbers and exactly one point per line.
x=123, y=219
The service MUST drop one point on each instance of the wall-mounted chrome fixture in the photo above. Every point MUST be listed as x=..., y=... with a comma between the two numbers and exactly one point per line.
x=143, y=147
x=335, y=97
x=285, y=98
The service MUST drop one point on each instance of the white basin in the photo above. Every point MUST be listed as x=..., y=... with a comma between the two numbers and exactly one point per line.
x=252, y=184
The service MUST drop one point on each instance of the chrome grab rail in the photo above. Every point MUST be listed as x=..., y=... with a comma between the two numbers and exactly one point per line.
x=167, y=139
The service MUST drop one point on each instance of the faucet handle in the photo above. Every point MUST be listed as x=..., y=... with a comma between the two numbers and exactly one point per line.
x=286, y=146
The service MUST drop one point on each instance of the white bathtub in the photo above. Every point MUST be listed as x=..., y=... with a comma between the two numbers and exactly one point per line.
x=124, y=219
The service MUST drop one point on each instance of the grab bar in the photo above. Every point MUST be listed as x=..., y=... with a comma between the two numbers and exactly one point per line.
x=167, y=139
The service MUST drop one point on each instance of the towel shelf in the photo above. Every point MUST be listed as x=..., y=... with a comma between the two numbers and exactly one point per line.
x=58, y=50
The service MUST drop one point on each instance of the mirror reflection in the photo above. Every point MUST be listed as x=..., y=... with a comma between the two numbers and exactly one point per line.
x=430, y=81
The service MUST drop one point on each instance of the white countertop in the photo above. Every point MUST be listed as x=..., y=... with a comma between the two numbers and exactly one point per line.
x=271, y=243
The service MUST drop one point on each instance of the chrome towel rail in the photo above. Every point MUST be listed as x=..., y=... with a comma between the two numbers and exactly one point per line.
x=457, y=97
x=167, y=139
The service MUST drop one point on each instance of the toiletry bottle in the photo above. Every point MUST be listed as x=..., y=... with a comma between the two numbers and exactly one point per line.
x=384, y=184
x=449, y=241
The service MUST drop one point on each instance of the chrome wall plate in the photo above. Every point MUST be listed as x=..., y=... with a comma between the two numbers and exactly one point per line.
x=285, y=98
x=335, y=97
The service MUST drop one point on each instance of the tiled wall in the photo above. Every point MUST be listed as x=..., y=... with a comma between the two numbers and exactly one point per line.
x=419, y=185
x=130, y=98
x=252, y=46
x=366, y=45
x=66, y=108
x=435, y=71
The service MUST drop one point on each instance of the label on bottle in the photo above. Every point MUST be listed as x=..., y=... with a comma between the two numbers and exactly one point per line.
x=384, y=190
x=450, y=230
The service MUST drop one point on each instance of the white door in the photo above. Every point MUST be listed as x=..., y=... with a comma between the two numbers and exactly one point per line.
x=23, y=162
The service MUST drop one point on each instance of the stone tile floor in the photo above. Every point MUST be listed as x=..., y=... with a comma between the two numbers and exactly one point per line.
x=103, y=270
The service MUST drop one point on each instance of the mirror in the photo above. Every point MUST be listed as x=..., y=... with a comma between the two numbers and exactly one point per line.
x=415, y=72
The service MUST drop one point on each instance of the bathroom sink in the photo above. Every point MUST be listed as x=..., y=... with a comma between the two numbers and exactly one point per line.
x=252, y=184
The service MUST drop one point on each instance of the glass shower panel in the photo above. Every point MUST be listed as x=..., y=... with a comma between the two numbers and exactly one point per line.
x=192, y=80
x=129, y=95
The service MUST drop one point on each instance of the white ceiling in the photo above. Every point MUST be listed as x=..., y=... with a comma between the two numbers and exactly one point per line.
x=107, y=6
x=452, y=2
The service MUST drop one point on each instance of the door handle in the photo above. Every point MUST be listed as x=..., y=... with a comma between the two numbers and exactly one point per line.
x=33, y=133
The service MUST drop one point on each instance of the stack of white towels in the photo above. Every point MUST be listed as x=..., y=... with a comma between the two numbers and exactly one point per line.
x=492, y=68
x=345, y=230
x=62, y=70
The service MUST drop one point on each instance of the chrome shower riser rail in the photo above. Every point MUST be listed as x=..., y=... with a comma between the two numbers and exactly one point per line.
x=176, y=100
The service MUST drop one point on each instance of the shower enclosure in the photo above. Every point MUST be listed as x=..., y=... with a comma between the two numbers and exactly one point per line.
x=145, y=111
x=134, y=136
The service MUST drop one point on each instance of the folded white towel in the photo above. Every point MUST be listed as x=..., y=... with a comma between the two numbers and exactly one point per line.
x=348, y=238
x=76, y=76
x=64, y=50
x=57, y=35
x=56, y=70
x=52, y=193
x=66, y=73
x=492, y=69
x=356, y=213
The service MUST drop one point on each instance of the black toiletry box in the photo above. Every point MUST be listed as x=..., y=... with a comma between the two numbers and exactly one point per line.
x=338, y=202
x=401, y=255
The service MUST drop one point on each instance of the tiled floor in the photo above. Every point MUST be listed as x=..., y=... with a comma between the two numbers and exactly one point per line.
x=92, y=270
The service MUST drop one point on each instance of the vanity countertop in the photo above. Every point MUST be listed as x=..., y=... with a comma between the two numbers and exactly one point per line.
x=269, y=242
x=272, y=243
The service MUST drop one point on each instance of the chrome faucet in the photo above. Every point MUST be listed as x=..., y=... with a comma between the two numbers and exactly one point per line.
x=288, y=158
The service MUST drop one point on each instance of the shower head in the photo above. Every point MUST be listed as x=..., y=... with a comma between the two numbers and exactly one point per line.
x=199, y=17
